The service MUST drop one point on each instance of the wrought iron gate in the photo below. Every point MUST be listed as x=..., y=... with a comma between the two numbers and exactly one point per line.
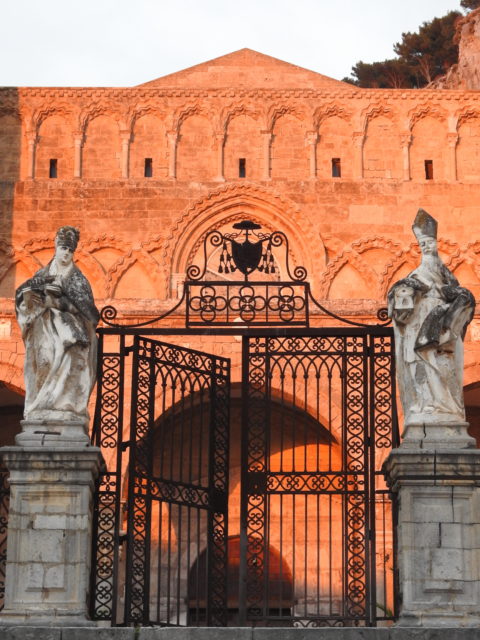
x=175, y=501
x=312, y=489
x=314, y=419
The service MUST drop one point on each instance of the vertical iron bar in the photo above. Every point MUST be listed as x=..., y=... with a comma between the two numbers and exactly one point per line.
x=131, y=488
x=242, y=587
x=369, y=475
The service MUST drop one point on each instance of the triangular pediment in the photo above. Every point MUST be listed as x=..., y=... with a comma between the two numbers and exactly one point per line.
x=249, y=69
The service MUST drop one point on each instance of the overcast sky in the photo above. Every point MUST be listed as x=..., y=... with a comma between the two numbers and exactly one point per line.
x=127, y=42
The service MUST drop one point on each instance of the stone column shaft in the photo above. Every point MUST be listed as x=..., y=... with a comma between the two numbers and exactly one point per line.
x=452, y=139
x=172, y=154
x=125, y=153
x=267, y=142
x=220, y=144
x=32, y=143
x=312, y=140
x=406, y=141
x=77, y=158
x=358, y=140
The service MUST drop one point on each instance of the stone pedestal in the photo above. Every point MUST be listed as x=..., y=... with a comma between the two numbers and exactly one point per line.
x=438, y=526
x=49, y=529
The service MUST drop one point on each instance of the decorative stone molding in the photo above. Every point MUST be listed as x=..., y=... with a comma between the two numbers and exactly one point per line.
x=424, y=111
x=376, y=111
x=269, y=206
x=47, y=110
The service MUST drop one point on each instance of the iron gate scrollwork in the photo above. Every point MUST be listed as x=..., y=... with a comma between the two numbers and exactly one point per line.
x=175, y=503
x=313, y=542
x=312, y=488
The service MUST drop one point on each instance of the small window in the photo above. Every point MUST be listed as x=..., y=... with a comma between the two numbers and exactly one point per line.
x=148, y=170
x=242, y=167
x=52, y=172
x=336, y=168
x=429, y=169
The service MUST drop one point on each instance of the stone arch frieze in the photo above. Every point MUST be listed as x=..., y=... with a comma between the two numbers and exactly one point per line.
x=138, y=111
x=125, y=262
x=377, y=111
x=232, y=111
x=241, y=200
x=11, y=374
x=277, y=111
x=185, y=112
x=355, y=260
x=424, y=111
x=380, y=282
x=58, y=109
x=328, y=111
x=411, y=256
x=100, y=109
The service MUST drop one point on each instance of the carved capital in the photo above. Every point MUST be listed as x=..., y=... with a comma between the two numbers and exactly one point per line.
x=358, y=138
x=311, y=137
x=78, y=138
x=406, y=139
x=452, y=139
x=172, y=137
x=32, y=137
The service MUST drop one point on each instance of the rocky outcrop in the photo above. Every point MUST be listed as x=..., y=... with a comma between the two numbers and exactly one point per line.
x=466, y=73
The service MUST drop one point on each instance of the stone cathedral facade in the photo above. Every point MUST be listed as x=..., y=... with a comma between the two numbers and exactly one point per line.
x=146, y=171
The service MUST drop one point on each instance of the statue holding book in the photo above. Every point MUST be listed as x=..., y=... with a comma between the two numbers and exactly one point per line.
x=57, y=315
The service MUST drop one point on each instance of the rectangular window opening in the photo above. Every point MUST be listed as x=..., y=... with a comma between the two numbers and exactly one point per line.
x=242, y=167
x=429, y=169
x=52, y=172
x=336, y=168
x=148, y=170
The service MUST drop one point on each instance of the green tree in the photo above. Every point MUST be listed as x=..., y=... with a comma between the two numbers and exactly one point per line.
x=431, y=50
x=389, y=74
x=422, y=56
x=470, y=4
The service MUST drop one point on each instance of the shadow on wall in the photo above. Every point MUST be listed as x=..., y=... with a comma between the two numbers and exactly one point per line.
x=10, y=153
x=472, y=410
x=11, y=412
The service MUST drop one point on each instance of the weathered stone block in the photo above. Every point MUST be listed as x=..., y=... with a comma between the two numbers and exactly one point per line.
x=31, y=633
x=191, y=633
x=82, y=633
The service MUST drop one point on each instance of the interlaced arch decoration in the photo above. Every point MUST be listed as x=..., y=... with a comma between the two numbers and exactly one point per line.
x=253, y=302
x=244, y=200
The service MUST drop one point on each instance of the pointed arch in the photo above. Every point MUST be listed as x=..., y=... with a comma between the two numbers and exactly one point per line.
x=235, y=202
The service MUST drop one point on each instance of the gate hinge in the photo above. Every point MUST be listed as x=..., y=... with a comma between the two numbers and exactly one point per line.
x=124, y=446
x=128, y=350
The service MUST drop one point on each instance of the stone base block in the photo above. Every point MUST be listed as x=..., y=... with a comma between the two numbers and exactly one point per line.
x=49, y=534
x=232, y=633
x=53, y=432
x=44, y=618
x=437, y=435
x=438, y=535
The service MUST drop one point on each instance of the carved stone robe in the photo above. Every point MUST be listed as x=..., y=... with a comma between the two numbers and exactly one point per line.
x=429, y=342
x=60, y=344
